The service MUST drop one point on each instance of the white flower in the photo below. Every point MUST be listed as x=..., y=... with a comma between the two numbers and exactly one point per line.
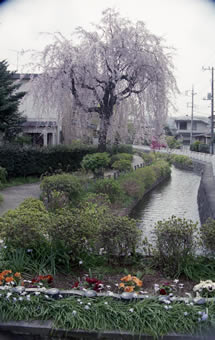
x=86, y=307
x=166, y=307
x=116, y=284
x=24, y=293
x=208, y=284
x=37, y=293
x=176, y=281
x=167, y=302
x=8, y=295
x=89, y=304
x=181, y=285
x=81, y=303
x=106, y=303
x=46, y=296
x=43, y=289
x=80, y=262
x=40, y=284
x=14, y=299
x=108, y=287
x=101, y=251
x=20, y=298
x=74, y=312
x=204, y=316
x=186, y=313
x=135, y=295
x=110, y=293
x=60, y=296
x=131, y=310
x=78, y=300
x=191, y=303
x=143, y=292
x=29, y=250
x=5, y=247
x=28, y=297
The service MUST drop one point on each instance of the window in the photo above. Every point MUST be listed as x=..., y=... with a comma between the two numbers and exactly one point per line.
x=194, y=126
x=182, y=125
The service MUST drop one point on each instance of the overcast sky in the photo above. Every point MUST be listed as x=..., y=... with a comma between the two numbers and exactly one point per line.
x=187, y=25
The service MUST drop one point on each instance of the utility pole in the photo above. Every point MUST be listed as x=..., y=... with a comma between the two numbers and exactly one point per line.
x=192, y=111
x=212, y=106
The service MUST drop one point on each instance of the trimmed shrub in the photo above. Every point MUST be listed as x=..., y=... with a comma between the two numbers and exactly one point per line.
x=77, y=229
x=31, y=161
x=179, y=160
x=3, y=175
x=119, y=236
x=107, y=186
x=195, y=146
x=122, y=165
x=32, y=204
x=25, y=227
x=119, y=156
x=96, y=162
x=205, y=148
x=148, y=157
x=120, y=148
x=207, y=231
x=175, y=241
x=66, y=184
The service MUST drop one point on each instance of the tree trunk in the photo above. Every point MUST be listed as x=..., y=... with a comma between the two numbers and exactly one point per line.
x=104, y=124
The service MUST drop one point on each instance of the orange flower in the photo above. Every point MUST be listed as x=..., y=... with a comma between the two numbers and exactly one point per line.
x=17, y=274
x=126, y=278
x=1, y=277
x=1, y=283
x=138, y=282
x=5, y=272
x=9, y=279
x=121, y=285
x=129, y=289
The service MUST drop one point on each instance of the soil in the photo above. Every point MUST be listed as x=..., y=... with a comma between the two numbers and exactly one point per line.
x=111, y=281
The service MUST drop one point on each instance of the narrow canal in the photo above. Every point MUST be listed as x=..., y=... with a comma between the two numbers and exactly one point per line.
x=176, y=196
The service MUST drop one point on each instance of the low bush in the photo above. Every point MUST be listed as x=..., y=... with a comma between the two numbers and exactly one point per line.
x=107, y=186
x=205, y=148
x=64, y=187
x=181, y=160
x=3, y=175
x=96, y=163
x=32, y=161
x=120, y=148
x=119, y=236
x=148, y=157
x=121, y=156
x=25, y=227
x=195, y=146
x=76, y=229
x=175, y=241
x=207, y=231
x=122, y=165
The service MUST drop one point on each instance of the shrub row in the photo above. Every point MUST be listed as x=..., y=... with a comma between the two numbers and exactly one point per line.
x=34, y=161
x=31, y=161
x=68, y=232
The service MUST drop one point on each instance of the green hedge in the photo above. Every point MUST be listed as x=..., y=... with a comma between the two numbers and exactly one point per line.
x=36, y=161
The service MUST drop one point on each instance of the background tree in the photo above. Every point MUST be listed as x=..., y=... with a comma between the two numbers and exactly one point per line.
x=100, y=69
x=10, y=117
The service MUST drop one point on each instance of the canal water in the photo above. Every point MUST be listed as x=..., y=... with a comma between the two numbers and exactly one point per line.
x=176, y=196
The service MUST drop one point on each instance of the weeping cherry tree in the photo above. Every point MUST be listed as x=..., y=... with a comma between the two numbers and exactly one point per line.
x=99, y=69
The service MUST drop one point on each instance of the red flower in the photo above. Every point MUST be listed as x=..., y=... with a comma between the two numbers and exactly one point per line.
x=76, y=284
x=163, y=292
x=91, y=280
x=97, y=286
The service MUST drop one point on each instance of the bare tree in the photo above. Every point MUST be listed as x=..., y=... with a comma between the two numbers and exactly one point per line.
x=99, y=69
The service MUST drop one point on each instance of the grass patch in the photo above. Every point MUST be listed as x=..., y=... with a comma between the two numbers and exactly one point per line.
x=147, y=316
x=19, y=181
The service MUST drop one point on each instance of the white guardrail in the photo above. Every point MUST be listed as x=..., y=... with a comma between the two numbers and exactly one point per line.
x=204, y=157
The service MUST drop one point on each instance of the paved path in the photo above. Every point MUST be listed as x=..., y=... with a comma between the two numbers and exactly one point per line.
x=13, y=196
